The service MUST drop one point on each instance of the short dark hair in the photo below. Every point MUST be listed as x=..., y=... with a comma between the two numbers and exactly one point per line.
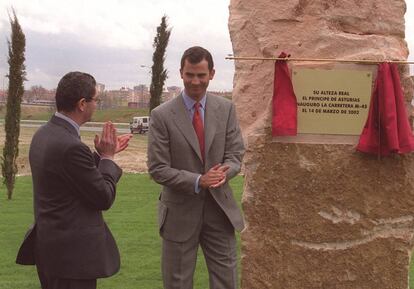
x=195, y=55
x=73, y=87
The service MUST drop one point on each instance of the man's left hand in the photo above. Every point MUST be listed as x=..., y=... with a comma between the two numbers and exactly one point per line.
x=223, y=169
x=108, y=142
x=123, y=141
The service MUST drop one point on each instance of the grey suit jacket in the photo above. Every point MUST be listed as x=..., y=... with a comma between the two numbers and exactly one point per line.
x=71, y=188
x=174, y=161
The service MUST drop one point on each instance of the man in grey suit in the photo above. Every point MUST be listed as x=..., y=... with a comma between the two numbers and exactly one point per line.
x=70, y=243
x=194, y=148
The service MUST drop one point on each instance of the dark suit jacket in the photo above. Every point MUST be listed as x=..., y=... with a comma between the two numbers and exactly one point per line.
x=174, y=160
x=71, y=187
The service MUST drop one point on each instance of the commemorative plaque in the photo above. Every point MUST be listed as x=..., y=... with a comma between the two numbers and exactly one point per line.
x=332, y=101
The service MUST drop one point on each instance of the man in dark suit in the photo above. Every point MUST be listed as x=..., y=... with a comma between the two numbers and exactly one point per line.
x=194, y=148
x=70, y=243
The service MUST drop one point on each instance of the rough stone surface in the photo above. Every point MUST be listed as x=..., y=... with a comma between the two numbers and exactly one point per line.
x=319, y=215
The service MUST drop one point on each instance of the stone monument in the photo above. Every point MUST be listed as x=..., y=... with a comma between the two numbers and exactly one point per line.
x=318, y=213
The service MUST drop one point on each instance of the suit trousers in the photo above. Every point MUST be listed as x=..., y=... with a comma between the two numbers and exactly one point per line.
x=51, y=282
x=215, y=234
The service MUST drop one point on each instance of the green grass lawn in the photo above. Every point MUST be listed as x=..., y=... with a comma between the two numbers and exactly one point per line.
x=31, y=112
x=120, y=114
x=132, y=219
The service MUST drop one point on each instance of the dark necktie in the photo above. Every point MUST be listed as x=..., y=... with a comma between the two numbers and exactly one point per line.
x=198, y=127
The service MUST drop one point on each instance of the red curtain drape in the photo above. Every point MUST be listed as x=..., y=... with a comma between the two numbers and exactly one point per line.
x=387, y=129
x=284, y=117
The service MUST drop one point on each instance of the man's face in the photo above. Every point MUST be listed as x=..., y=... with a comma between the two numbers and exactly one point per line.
x=196, y=78
x=91, y=107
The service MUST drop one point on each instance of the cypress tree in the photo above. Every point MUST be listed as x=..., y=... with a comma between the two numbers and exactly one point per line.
x=158, y=73
x=14, y=98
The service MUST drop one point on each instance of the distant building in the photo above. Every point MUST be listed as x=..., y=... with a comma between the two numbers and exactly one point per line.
x=140, y=87
x=141, y=97
x=100, y=88
x=172, y=91
x=124, y=93
x=118, y=97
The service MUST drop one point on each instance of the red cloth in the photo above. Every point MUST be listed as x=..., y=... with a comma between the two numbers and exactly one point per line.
x=387, y=129
x=199, y=127
x=284, y=118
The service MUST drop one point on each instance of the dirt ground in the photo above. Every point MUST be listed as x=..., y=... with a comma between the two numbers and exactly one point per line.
x=132, y=160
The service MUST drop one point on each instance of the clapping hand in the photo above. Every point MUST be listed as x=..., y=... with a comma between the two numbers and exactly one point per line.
x=123, y=141
x=108, y=144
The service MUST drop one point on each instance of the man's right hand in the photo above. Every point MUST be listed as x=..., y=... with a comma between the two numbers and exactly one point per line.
x=214, y=176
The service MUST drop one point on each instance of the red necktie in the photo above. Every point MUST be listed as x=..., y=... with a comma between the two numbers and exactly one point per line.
x=198, y=127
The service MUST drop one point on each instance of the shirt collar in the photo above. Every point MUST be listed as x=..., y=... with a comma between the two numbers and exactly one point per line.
x=69, y=120
x=189, y=102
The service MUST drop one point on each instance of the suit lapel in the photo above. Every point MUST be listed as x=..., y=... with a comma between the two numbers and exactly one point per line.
x=210, y=122
x=184, y=124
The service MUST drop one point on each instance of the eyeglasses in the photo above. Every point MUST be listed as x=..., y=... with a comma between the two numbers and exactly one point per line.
x=96, y=100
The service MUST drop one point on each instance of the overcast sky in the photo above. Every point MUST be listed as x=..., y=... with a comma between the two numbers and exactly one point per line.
x=111, y=39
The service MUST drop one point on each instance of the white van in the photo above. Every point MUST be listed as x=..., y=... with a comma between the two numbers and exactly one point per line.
x=139, y=124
